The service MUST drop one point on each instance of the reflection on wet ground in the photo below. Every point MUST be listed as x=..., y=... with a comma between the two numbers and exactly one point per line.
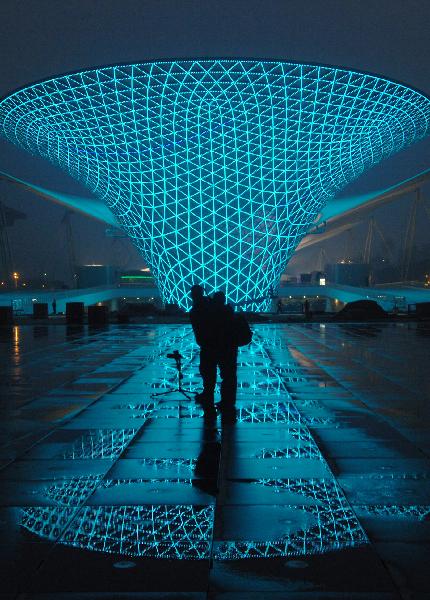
x=319, y=488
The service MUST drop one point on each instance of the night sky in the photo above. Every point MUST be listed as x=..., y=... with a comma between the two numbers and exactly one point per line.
x=44, y=38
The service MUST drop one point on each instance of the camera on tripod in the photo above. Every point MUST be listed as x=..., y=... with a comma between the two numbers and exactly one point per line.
x=176, y=355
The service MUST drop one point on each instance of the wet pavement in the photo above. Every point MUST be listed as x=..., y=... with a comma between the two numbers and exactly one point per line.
x=318, y=489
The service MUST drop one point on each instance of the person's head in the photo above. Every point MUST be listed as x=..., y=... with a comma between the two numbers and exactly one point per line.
x=197, y=293
x=219, y=298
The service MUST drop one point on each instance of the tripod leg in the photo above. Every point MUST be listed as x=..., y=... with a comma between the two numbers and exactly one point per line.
x=163, y=393
x=175, y=391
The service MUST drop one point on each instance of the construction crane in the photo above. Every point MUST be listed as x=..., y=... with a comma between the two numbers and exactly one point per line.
x=368, y=245
x=322, y=260
x=348, y=245
x=8, y=216
x=408, y=243
x=369, y=241
x=66, y=222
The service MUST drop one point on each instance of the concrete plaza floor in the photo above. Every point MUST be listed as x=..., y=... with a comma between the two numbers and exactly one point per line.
x=320, y=489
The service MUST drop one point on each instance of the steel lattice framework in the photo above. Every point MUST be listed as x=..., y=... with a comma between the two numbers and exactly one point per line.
x=216, y=168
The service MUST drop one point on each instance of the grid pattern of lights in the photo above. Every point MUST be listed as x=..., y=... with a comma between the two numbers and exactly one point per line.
x=321, y=518
x=216, y=168
x=332, y=524
x=100, y=443
x=156, y=531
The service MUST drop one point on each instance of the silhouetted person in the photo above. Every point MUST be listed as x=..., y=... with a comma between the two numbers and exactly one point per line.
x=54, y=306
x=279, y=307
x=307, y=310
x=199, y=314
x=200, y=320
x=218, y=349
x=207, y=464
x=227, y=348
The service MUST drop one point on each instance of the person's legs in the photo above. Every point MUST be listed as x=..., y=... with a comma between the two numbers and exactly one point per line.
x=208, y=373
x=228, y=371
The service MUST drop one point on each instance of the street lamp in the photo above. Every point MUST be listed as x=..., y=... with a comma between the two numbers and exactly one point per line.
x=15, y=276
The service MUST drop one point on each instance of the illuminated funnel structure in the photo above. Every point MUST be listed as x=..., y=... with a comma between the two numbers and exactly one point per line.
x=216, y=168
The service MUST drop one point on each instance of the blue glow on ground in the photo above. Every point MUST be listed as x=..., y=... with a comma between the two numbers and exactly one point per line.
x=320, y=517
x=216, y=168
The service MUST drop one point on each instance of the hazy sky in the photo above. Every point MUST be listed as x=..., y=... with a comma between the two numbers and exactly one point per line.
x=43, y=38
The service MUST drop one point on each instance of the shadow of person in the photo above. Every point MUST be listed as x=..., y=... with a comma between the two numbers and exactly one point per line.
x=228, y=415
x=207, y=466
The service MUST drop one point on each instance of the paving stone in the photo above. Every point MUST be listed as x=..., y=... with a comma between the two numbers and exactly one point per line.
x=318, y=489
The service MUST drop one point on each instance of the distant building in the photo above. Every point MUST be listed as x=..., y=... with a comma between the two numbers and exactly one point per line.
x=96, y=275
x=314, y=277
x=355, y=274
x=140, y=277
x=286, y=279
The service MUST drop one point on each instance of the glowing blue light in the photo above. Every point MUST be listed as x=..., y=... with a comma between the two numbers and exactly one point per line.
x=216, y=168
x=321, y=519
x=100, y=443
x=157, y=531
x=331, y=524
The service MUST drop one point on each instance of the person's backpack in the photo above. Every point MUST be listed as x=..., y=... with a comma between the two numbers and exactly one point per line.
x=242, y=331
